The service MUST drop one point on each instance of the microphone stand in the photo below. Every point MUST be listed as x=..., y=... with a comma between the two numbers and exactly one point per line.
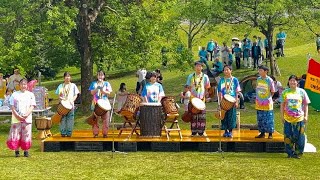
x=110, y=121
x=219, y=107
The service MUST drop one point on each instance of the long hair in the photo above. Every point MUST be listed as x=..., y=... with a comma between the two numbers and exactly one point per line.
x=122, y=87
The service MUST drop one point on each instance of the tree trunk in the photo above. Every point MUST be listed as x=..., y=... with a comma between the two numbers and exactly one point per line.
x=270, y=46
x=84, y=32
x=190, y=42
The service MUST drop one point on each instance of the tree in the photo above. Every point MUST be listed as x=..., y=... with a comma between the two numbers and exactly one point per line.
x=194, y=16
x=266, y=15
x=309, y=13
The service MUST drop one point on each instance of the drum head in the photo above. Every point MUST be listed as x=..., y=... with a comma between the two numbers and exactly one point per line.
x=66, y=104
x=150, y=104
x=198, y=103
x=229, y=98
x=104, y=104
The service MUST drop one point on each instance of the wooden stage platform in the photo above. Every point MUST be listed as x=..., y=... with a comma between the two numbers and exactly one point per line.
x=243, y=141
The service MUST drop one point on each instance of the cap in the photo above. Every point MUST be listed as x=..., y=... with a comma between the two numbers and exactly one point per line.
x=265, y=68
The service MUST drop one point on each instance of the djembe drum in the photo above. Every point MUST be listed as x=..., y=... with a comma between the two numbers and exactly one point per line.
x=43, y=125
x=64, y=107
x=169, y=107
x=131, y=106
x=226, y=104
x=150, y=119
x=101, y=108
x=196, y=105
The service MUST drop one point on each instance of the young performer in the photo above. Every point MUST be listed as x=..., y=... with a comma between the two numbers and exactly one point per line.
x=294, y=116
x=264, y=103
x=153, y=91
x=67, y=91
x=100, y=89
x=229, y=85
x=22, y=103
x=199, y=84
x=121, y=96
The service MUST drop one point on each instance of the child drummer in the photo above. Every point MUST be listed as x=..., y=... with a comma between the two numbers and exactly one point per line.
x=100, y=89
x=229, y=85
x=199, y=84
x=69, y=92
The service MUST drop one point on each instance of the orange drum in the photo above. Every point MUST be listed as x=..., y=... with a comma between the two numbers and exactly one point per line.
x=169, y=106
x=187, y=117
x=102, y=106
x=227, y=102
x=64, y=107
x=197, y=105
x=131, y=105
x=91, y=120
x=43, y=125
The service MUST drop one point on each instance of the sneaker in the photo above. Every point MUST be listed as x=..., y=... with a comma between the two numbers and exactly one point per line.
x=63, y=135
x=26, y=154
x=226, y=134
x=295, y=156
x=261, y=135
x=200, y=134
x=17, y=153
x=270, y=136
x=230, y=134
x=105, y=136
x=95, y=135
x=193, y=133
x=69, y=135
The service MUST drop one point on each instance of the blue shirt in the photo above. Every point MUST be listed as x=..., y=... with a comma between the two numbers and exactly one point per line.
x=210, y=46
x=152, y=92
x=218, y=66
x=237, y=51
x=229, y=86
x=281, y=35
x=203, y=54
x=266, y=42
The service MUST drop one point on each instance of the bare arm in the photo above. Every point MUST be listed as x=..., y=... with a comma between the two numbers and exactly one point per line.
x=28, y=112
x=306, y=112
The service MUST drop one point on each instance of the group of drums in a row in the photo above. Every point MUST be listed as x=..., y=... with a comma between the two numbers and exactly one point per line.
x=150, y=116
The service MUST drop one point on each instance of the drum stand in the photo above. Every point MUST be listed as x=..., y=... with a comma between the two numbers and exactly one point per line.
x=113, y=150
x=219, y=148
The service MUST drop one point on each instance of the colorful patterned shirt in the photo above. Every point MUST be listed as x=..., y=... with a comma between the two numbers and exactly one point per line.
x=22, y=102
x=264, y=97
x=294, y=102
x=198, y=84
x=106, y=86
x=67, y=91
x=153, y=92
x=229, y=86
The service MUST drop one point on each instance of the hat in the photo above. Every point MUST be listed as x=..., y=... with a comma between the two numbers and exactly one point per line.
x=186, y=85
x=198, y=63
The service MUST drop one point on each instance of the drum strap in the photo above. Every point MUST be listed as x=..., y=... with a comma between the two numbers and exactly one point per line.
x=197, y=86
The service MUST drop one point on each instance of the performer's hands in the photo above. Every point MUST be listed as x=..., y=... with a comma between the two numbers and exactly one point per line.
x=236, y=104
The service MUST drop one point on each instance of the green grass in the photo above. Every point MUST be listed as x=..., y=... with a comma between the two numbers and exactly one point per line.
x=160, y=165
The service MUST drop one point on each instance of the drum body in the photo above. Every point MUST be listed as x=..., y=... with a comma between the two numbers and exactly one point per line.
x=186, y=117
x=41, y=123
x=197, y=105
x=227, y=102
x=91, y=120
x=101, y=107
x=150, y=119
x=169, y=105
x=131, y=105
x=64, y=107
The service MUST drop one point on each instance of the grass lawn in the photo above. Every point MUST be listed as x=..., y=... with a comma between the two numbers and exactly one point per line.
x=161, y=165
